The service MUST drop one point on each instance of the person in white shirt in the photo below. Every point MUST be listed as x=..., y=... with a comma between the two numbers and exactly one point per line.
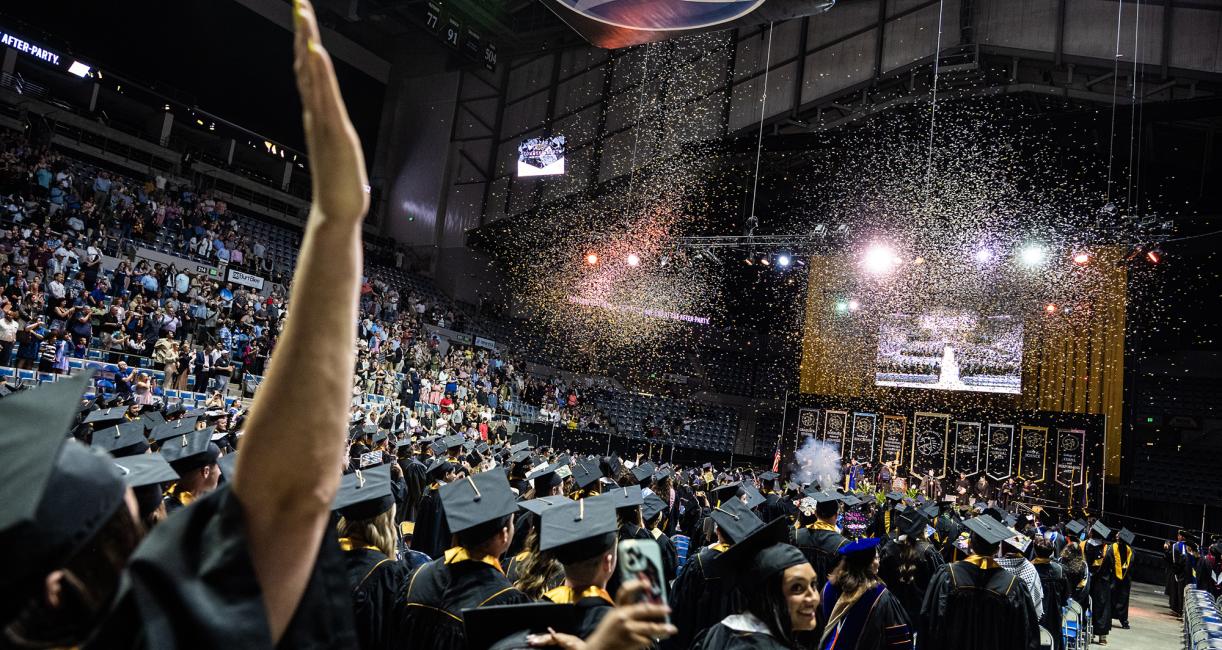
x=56, y=286
x=8, y=336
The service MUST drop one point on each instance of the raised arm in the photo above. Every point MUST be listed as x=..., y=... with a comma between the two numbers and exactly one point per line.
x=303, y=403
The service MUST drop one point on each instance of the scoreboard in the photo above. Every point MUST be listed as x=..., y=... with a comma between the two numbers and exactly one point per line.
x=455, y=33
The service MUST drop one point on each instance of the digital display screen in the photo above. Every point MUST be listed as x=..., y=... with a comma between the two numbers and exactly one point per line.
x=950, y=349
x=541, y=156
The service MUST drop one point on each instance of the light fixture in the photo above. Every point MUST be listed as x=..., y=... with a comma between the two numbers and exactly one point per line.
x=79, y=69
x=984, y=255
x=842, y=306
x=1050, y=308
x=918, y=260
x=782, y=260
x=591, y=258
x=1154, y=256
x=854, y=305
x=1081, y=259
x=1033, y=255
x=880, y=259
x=764, y=261
x=634, y=259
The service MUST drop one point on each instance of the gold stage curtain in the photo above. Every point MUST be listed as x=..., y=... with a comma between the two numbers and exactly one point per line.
x=1073, y=361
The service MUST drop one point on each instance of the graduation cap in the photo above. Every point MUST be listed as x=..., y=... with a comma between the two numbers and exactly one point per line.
x=754, y=498
x=1075, y=528
x=438, y=448
x=476, y=500
x=106, y=417
x=1101, y=530
x=912, y=522
x=175, y=409
x=151, y=419
x=174, y=428
x=586, y=473
x=1019, y=542
x=191, y=450
x=859, y=549
x=643, y=473
x=545, y=477
x=537, y=506
x=723, y=493
x=662, y=474
x=762, y=553
x=578, y=530
x=505, y=627
x=229, y=464
x=125, y=439
x=735, y=520
x=195, y=413
x=610, y=465
x=1126, y=536
x=364, y=494
x=481, y=448
x=379, y=436
x=623, y=497
x=988, y=529
x=769, y=476
x=523, y=457
x=58, y=493
x=454, y=441
x=930, y=510
x=438, y=468
x=145, y=469
x=652, y=506
x=895, y=497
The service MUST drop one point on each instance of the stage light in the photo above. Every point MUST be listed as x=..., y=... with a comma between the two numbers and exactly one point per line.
x=782, y=260
x=634, y=259
x=842, y=306
x=1081, y=259
x=854, y=305
x=592, y=259
x=880, y=259
x=1154, y=256
x=764, y=261
x=918, y=260
x=1033, y=255
x=749, y=261
x=79, y=69
x=984, y=255
x=1050, y=308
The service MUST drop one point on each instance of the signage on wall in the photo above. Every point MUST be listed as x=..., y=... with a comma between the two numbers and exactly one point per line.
x=35, y=51
x=454, y=32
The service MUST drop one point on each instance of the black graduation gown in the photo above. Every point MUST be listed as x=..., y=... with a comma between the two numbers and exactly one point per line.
x=702, y=595
x=1122, y=586
x=720, y=637
x=436, y=595
x=1056, y=596
x=670, y=555
x=1100, y=560
x=821, y=548
x=377, y=581
x=629, y=531
x=416, y=482
x=191, y=584
x=909, y=586
x=876, y=621
x=590, y=610
x=968, y=608
x=432, y=536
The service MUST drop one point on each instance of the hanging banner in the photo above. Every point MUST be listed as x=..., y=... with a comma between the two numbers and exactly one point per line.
x=1033, y=449
x=1071, y=457
x=891, y=449
x=808, y=422
x=861, y=445
x=834, y=424
x=999, y=456
x=929, y=444
x=967, y=447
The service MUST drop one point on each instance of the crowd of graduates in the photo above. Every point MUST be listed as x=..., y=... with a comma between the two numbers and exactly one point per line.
x=310, y=522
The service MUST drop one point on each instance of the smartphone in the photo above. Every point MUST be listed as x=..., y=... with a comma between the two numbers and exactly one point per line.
x=641, y=559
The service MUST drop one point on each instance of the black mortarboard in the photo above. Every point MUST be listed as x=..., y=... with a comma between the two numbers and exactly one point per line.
x=124, y=439
x=545, y=477
x=988, y=529
x=895, y=497
x=662, y=475
x=481, y=448
x=57, y=492
x=912, y=522
x=106, y=417
x=537, y=506
x=1101, y=530
x=735, y=520
x=930, y=510
x=723, y=493
x=505, y=627
x=623, y=497
x=1075, y=528
x=524, y=445
x=578, y=530
x=610, y=465
x=379, y=436
x=652, y=506
x=175, y=409
x=229, y=464
x=762, y=553
x=151, y=419
x=453, y=442
x=364, y=494
x=523, y=457
x=438, y=448
x=1019, y=542
x=477, y=500
x=643, y=473
x=1126, y=536
x=754, y=498
x=438, y=468
x=145, y=469
x=190, y=451
x=769, y=476
x=586, y=473
x=174, y=428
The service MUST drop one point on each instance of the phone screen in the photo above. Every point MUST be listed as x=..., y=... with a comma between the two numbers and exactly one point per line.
x=641, y=559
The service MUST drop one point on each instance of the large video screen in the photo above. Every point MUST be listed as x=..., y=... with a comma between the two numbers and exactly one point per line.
x=950, y=349
x=541, y=156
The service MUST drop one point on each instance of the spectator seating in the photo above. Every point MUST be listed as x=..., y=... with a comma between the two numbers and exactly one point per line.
x=1202, y=621
x=709, y=428
x=1169, y=475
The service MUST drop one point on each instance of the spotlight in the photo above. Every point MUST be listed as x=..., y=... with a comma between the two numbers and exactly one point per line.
x=634, y=259
x=782, y=260
x=592, y=258
x=1081, y=259
x=1050, y=308
x=984, y=255
x=918, y=260
x=854, y=305
x=748, y=261
x=1154, y=256
x=880, y=259
x=764, y=261
x=842, y=306
x=1033, y=255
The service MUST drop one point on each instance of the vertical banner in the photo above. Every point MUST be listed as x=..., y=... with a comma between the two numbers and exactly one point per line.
x=929, y=444
x=1032, y=450
x=999, y=457
x=834, y=424
x=1071, y=457
x=967, y=447
x=891, y=449
x=861, y=445
x=808, y=423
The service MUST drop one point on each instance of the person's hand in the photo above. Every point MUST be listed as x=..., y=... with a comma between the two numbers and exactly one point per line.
x=337, y=163
x=630, y=626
